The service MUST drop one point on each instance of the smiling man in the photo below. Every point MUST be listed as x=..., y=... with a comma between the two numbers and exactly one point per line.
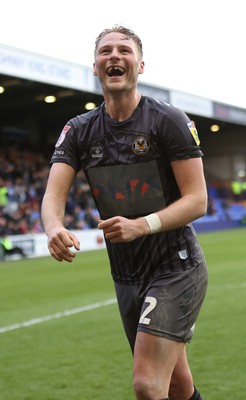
x=143, y=162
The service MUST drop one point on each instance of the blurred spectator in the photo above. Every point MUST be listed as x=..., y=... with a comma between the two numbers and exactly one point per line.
x=91, y=218
x=3, y=193
x=236, y=187
x=8, y=248
x=211, y=207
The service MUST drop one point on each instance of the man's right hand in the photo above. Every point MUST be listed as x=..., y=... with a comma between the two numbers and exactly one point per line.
x=60, y=240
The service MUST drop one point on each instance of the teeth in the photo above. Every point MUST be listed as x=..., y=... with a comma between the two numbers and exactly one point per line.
x=115, y=71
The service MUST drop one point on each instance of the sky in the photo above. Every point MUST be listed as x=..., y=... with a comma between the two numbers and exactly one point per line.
x=193, y=46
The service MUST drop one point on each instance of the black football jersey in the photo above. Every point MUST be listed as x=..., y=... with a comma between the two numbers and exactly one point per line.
x=128, y=167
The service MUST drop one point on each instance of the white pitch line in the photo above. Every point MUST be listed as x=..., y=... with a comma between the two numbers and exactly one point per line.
x=61, y=314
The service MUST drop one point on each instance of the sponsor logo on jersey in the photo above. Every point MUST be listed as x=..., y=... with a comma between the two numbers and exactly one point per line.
x=62, y=135
x=59, y=153
x=96, y=152
x=141, y=145
x=128, y=190
x=193, y=131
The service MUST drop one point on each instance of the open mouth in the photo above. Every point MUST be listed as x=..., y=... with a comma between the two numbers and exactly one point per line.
x=115, y=71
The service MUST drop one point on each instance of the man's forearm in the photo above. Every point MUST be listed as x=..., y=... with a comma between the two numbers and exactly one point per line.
x=52, y=211
x=181, y=212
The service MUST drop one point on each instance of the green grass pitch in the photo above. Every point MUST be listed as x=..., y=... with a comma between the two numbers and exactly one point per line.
x=69, y=352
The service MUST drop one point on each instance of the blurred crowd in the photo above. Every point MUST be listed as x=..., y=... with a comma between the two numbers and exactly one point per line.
x=23, y=177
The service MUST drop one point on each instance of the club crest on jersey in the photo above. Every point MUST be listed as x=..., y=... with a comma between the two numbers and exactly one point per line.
x=141, y=145
x=193, y=131
x=96, y=152
x=62, y=135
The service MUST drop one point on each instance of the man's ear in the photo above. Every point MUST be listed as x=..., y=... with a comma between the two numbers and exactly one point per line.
x=94, y=70
x=141, y=69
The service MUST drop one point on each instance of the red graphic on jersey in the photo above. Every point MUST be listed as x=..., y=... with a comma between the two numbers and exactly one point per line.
x=133, y=184
x=144, y=188
x=96, y=193
x=119, y=196
x=127, y=190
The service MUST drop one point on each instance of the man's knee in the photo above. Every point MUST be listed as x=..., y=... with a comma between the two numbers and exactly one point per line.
x=148, y=388
x=181, y=385
x=142, y=387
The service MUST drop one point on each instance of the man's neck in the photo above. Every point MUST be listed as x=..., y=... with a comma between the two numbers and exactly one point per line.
x=121, y=107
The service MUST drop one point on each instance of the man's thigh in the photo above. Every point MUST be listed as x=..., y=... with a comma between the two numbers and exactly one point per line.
x=155, y=358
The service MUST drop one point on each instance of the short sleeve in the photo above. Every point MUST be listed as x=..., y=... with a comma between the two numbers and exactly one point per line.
x=66, y=147
x=179, y=136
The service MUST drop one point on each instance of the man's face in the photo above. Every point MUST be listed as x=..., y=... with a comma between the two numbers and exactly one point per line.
x=117, y=62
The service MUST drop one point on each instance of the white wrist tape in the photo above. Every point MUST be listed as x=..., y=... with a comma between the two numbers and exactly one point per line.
x=154, y=223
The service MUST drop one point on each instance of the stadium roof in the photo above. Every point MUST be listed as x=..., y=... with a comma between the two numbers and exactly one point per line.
x=27, y=78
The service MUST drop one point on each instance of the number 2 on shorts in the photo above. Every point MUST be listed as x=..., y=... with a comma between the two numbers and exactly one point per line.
x=152, y=303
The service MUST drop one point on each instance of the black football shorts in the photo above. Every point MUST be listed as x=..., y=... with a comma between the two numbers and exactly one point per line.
x=168, y=306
